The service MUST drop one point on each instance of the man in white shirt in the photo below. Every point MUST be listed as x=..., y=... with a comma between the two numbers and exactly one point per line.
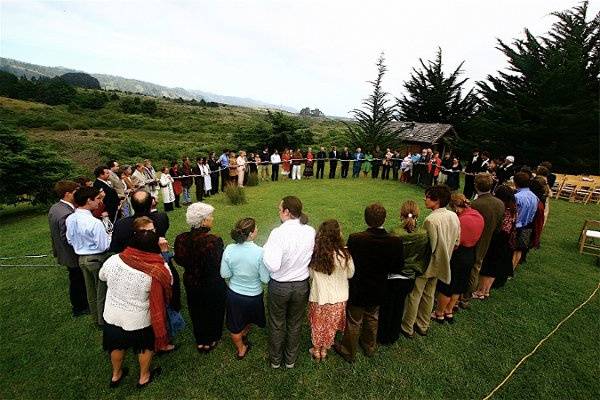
x=275, y=161
x=287, y=253
x=90, y=242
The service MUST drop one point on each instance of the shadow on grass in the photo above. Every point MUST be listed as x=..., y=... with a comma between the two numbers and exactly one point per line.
x=15, y=213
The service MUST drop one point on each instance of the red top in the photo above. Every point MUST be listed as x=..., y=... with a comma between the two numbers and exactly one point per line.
x=471, y=227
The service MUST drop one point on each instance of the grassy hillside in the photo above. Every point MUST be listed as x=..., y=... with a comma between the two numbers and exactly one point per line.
x=92, y=136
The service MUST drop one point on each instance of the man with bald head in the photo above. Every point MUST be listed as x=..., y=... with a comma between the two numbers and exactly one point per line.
x=141, y=203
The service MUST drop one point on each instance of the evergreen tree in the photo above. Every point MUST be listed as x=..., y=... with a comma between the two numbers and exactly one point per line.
x=372, y=123
x=277, y=131
x=31, y=170
x=546, y=106
x=435, y=97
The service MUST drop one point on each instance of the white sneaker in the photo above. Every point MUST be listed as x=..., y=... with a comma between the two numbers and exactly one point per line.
x=275, y=366
x=289, y=366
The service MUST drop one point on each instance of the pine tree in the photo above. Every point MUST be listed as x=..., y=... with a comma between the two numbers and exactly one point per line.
x=372, y=126
x=546, y=106
x=435, y=97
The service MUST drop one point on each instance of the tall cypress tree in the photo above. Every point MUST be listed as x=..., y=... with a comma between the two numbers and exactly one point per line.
x=545, y=107
x=433, y=96
x=372, y=123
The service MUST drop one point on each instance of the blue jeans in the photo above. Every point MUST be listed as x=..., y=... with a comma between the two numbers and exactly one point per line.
x=187, y=198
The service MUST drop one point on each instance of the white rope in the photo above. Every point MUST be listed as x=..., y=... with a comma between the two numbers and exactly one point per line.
x=26, y=256
x=540, y=343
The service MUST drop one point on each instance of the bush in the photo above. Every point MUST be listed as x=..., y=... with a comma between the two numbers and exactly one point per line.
x=60, y=126
x=148, y=106
x=31, y=121
x=252, y=179
x=235, y=194
x=81, y=125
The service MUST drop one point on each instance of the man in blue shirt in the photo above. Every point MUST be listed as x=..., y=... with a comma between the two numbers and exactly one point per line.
x=527, y=203
x=90, y=242
x=223, y=163
x=358, y=158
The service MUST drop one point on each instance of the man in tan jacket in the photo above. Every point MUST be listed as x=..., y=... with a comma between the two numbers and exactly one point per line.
x=443, y=229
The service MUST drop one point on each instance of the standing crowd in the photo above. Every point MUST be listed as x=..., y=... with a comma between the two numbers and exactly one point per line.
x=373, y=288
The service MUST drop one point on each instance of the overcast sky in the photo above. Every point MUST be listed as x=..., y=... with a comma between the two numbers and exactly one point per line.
x=297, y=53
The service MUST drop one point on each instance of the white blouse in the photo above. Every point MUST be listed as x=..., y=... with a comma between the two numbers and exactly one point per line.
x=127, y=303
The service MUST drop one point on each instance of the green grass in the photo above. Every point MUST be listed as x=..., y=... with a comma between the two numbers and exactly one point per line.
x=44, y=353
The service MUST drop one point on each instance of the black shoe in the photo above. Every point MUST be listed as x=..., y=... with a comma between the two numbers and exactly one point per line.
x=79, y=313
x=406, y=334
x=153, y=374
x=114, y=384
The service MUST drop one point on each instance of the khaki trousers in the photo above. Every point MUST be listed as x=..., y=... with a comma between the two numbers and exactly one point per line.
x=95, y=288
x=361, y=329
x=419, y=305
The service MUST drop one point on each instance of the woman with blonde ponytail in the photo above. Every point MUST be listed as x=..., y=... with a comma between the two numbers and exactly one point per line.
x=415, y=245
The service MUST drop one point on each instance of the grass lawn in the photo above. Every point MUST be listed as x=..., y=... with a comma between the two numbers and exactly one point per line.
x=44, y=353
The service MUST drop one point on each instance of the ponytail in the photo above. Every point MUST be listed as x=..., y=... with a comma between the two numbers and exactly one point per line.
x=243, y=229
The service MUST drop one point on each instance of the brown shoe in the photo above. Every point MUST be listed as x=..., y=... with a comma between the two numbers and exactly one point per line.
x=406, y=334
x=420, y=331
x=338, y=349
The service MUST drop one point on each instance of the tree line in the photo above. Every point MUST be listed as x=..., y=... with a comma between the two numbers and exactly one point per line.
x=544, y=106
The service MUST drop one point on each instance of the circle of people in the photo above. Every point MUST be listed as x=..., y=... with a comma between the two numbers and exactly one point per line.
x=374, y=288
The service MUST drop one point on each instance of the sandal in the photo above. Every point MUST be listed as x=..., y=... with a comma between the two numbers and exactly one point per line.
x=314, y=354
x=449, y=317
x=437, y=318
x=237, y=355
x=478, y=296
x=124, y=373
x=166, y=350
x=212, y=347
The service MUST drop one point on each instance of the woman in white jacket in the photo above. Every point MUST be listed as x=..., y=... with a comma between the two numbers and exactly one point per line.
x=166, y=184
x=241, y=168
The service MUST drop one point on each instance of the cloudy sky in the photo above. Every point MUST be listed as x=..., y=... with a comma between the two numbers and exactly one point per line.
x=298, y=53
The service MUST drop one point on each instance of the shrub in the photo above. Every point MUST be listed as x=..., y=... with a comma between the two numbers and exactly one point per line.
x=235, y=194
x=252, y=179
x=60, y=126
x=81, y=125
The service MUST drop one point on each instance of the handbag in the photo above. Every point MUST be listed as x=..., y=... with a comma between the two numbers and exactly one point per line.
x=176, y=322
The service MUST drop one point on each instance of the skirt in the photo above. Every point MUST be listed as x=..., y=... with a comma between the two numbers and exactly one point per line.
x=117, y=338
x=461, y=263
x=325, y=320
x=244, y=310
x=497, y=262
x=523, y=239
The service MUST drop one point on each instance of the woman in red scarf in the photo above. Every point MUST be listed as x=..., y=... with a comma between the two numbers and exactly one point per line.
x=138, y=291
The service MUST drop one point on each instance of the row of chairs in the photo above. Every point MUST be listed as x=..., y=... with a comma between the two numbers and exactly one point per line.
x=577, y=188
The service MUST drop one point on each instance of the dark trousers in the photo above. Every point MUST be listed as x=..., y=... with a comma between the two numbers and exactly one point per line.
x=206, y=306
x=361, y=329
x=395, y=173
x=95, y=288
x=199, y=189
x=345, y=168
x=214, y=182
x=392, y=308
x=469, y=186
x=224, y=178
x=168, y=207
x=177, y=196
x=287, y=311
x=356, y=169
x=275, y=172
x=320, y=169
x=332, y=168
x=375, y=170
x=77, y=293
x=385, y=172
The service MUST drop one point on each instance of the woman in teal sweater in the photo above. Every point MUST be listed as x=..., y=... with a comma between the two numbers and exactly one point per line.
x=242, y=266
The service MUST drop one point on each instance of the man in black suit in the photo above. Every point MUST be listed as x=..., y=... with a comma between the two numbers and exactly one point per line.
x=111, y=198
x=321, y=156
x=62, y=250
x=198, y=180
x=345, y=157
x=376, y=253
x=333, y=159
x=472, y=168
x=141, y=203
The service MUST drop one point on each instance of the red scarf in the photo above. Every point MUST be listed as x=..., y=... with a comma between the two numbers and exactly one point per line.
x=160, y=289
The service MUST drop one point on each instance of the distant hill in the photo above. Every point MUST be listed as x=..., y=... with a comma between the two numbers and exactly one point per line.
x=81, y=79
x=112, y=82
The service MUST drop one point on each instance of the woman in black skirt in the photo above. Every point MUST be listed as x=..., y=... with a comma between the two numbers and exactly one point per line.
x=242, y=265
x=199, y=253
x=463, y=258
x=497, y=264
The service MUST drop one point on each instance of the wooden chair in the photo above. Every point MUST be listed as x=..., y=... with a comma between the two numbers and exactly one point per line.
x=560, y=179
x=589, y=240
x=595, y=195
x=568, y=187
x=583, y=192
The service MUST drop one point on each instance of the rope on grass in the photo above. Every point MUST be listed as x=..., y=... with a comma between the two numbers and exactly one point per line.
x=540, y=343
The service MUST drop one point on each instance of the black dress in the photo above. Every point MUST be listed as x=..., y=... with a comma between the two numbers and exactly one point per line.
x=200, y=253
x=497, y=262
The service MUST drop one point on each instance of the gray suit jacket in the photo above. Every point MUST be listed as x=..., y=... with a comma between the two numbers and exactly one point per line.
x=62, y=250
x=117, y=184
